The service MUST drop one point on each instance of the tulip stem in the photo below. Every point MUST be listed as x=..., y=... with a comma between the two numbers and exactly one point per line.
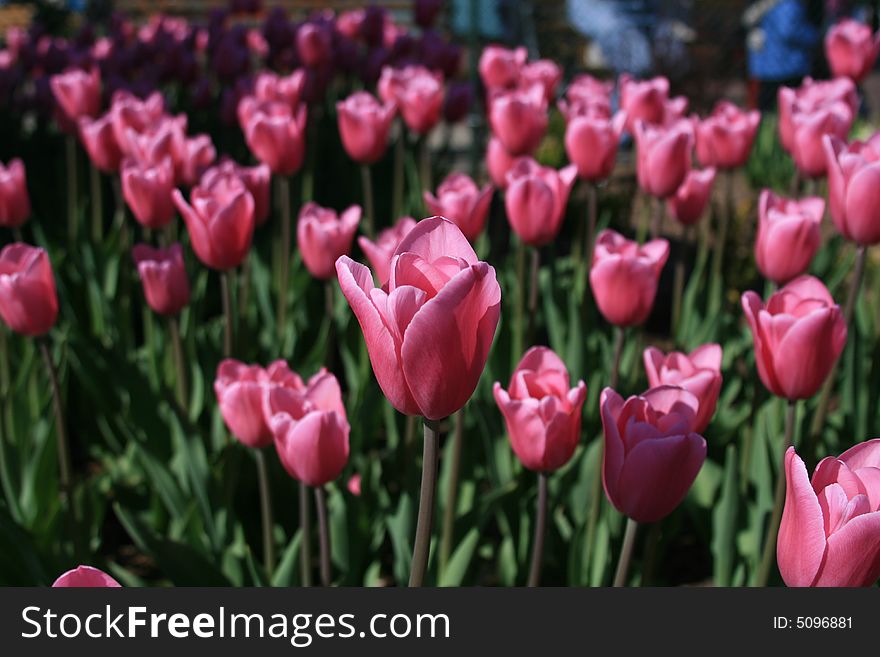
x=769, y=552
x=678, y=285
x=518, y=325
x=451, y=491
x=72, y=185
x=226, y=293
x=265, y=513
x=97, y=205
x=367, y=184
x=626, y=550
x=540, y=526
x=64, y=460
x=305, y=539
x=323, y=535
x=592, y=218
x=425, y=164
x=284, y=200
x=397, y=182
x=618, y=353
x=721, y=236
x=825, y=397
x=329, y=307
x=179, y=366
x=119, y=203
x=533, y=293
x=244, y=285
x=422, y=544
x=657, y=218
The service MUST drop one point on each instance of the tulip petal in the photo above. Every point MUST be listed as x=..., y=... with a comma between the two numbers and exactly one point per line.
x=853, y=555
x=800, y=545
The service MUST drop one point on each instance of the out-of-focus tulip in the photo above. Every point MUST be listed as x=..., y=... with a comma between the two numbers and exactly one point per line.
x=698, y=372
x=643, y=100
x=498, y=162
x=15, y=204
x=462, y=202
x=429, y=330
x=500, y=67
x=808, y=131
x=851, y=49
x=354, y=485
x=853, y=180
x=364, y=125
x=270, y=87
x=691, y=198
x=100, y=143
x=276, y=136
x=798, y=337
x=381, y=252
x=543, y=72
x=591, y=143
x=586, y=87
x=663, y=156
x=147, y=190
x=811, y=96
x=830, y=530
x=425, y=12
x=257, y=179
x=78, y=94
x=220, y=221
x=193, y=156
x=85, y=577
x=518, y=119
x=28, y=301
x=788, y=235
x=624, y=277
x=163, y=276
x=543, y=416
x=652, y=452
x=536, y=198
x=323, y=236
x=724, y=139
x=418, y=94
x=310, y=428
x=314, y=44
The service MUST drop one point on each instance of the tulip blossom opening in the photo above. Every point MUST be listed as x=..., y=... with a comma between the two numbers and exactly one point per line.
x=788, y=235
x=28, y=301
x=698, y=372
x=462, y=202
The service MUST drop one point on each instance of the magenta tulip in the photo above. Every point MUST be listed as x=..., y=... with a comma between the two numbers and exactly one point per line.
x=429, y=330
x=808, y=131
x=78, y=94
x=500, y=67
x=698, y=372
x=364, y=125
x=85, y=577
x=851, y=49
x=418, y=94
x=272, y=88
x=646, y=100
x=811, y=96
x=147, y=190
x=498, y=162
x=192, y=157
x=788, y=235
x=543, y=72
x=128, y=112
x=543, y=416
x=663, y=156
x=724, y=139
x=853, y=179
x=691, y=198
x=591, y=144
x=381, y=252
x=275, y=135
x=256, y=179
x=15, y=204
x=536, y=199
x=323, y=236
x=462, y=202
x=99, y=140
x=163, y=276
x=314, y=44
x=518, y=119
x=28, y=300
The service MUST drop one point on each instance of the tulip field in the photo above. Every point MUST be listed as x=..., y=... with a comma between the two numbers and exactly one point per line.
x=338, y=300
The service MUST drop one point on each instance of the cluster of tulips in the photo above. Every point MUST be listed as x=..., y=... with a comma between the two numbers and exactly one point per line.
x=429, y=306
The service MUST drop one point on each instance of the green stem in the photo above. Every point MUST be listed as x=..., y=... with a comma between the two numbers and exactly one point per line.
x=329, y=307
x=540, y=527
x=265, y=513
x=367, y=184
x=533, y=293
x=284, y=274
x=72, y=187
x=97, y=203
x=64, y=460
x=592, y=219
x=725, y=219
x=518, y=336
x=226, y=292
x=179, y=363
x=618, y=353
x=425, y=164
x=657, y=218
x=626, y=550
x=323, y=535
x=451, y=501
x=305, y=546
x=678, y=285
x=397, y=182
x=422, y=543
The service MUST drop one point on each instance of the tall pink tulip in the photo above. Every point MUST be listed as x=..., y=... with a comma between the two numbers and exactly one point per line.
x=624, y=277
x=128, y=112
x=429, y=330
x=591, y=144
x=500, y=67
x=220, y=221
x=519, y=119
x=256, y=179
x=462, y=202
x=78, y=94
x=163, y=276
x=691, y=198
x=798, y=337
x=542, y=414
x=808, y=131
x=364, y=125
x=276, y=136
x=788, y=235
x=99, y=140
x=698, y=372
x=851, y=49
x=853, y=179
x=381, y=252
x=644, y=100
x=536, y=199
x=192, y=157
x=830, y=530
x=811, y=96
x=543, y=72
x=498, y=162
x=652, y=452
x=724, y=139
x=663, y=156
x=271, y=87
x=323, y=236
x=147, y=190
x=28, y=300
x=418, y=94
x=15, y=204
x=85, y=577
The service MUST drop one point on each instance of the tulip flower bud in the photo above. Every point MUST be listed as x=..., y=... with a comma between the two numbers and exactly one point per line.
x=85, y=577
x=691, y=198
x=418, y=94
x=643, y=100
x=78, y=94
x=851, y=49
x=323, y=236
x=591, y=144
x=276, y=136
x=518, y=119
x=15, y=204
x=725, y=139
x=853, y=179
x=364, y=125
x=808, y=130
x=462, y=202
x=698, y=372
x=147, y=190
x=100, y=143
x=810, y=97
x=663, y=156
x=498, y=162
x=381, y=252
x=256, y=179
x=163, y=276
x=500, y=67
x=28, y=301
x=536, y=199
x=788, y=235
x=543, y=72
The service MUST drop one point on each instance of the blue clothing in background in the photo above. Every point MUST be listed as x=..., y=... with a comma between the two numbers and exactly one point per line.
x=781, y=43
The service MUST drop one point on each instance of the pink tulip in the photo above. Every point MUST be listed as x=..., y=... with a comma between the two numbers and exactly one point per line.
x=192, y=157
x=808, y=131
x=314, y=44
x=698, y=372
x=851, y=49
x=543, y=72
x=381, y=252
x=788, y=235
x=276, y=136
x=128, y=112
x=853, y=175
x=462, y=202
x=593, y=90
x=256, y=179
x=652, y=452
x=163, y=276
x=519, y=119
x=85, y=577
x=536, y=199
x=724, y=139
x=498, y=162
x=591, y=143
x=798, y=337
x=364, y=125
x=691, y=198
x=161, y=140
x=78, y=94
x=648, y=101
x=429, y=330
x=354, y=485
x=543, y=416
x=810, y=97
x=272, y=88
x=624, y=277
x=310, y=428
x=500, y=67
x=100, y=142
x=830, y=530
x=15, y=204
x=220, y=222
x=323, y=236
x=28, y=301
x=418, y=94
x=663, y=156
x=147, y=190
